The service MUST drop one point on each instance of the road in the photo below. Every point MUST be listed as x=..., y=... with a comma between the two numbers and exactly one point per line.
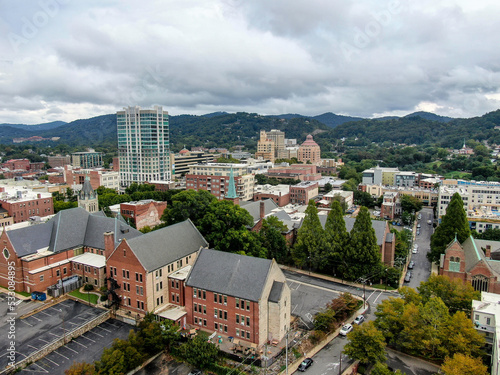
x=327, y=360
x=422, y=268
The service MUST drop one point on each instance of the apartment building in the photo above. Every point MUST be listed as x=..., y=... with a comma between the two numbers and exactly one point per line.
x=214, y=177
x=143, y=145
x=21, y=203
x=303, y=192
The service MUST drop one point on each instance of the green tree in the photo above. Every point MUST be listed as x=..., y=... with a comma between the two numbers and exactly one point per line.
x=336, y=239
x=380, y=368
x=410, y=203
x=389, y=321
x=327, y=188
x=199, y=352
x=149, y=336
x=463, y=365
x=366, y=344
x=363, y=253
x=119, y=359
x=460, y=336
x=308, y=249
x=81, y=368
x=225, y=227
x=272, y=238
x=454, y=223
x=489, y=234
x=170, y=333
x=188, y=204
x=456, y=294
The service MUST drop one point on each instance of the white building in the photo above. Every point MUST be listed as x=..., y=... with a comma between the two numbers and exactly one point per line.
x=486, y=318
x=143, y=145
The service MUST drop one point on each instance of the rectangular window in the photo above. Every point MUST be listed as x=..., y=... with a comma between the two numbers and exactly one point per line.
x=173, y=297
x=248, y=321
x=248, y=305
x=225, y=328
x=237, y=332
x=237, y=303
x=204, y=309
x=142, y=291
x=220, y=314
x=41, y=278
x=225, y=300
x=215, y=297
x=204, y=294
x=136, y=276
x=128, y=274
x=243, y=304
x=215, y=313
x=195, y=307
x=64, y=270
x=161, y=284
x=488, y=321
x=173, y=284
x=248, y=334
x=225, y=315
x=205, y=322
x=237, y=318
x=216, y=326
x=194, y=293
x=137, y=289
x=220, y=299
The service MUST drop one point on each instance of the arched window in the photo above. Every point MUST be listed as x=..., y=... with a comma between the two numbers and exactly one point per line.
x=454, y=265
x=480, y=283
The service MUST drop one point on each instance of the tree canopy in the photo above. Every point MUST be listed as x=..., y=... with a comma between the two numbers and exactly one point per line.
x=366, y=344
x=309, y=247
x=453, y=223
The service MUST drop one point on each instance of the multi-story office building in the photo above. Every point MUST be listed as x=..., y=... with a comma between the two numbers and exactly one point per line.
x=86, y=159
x=143, y=145
x=486, y=317
x=309, y=151
x=185, y=158
x=379, y=176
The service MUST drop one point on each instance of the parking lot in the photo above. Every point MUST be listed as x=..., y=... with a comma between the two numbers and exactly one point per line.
x=22, y=307
x=42, y=328
x=307, y=300
x=85, y=348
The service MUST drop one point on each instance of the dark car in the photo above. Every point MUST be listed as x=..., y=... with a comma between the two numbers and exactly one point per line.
x=305, y=364
x=195, y=372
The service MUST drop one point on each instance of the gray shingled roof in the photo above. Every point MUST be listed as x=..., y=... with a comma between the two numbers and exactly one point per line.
x=161, y=247
x=253, y=208
x=98, y=225
x=68, y=229
x=236, y=275
x=378, y=225
x=28, y=240
x=276, y=290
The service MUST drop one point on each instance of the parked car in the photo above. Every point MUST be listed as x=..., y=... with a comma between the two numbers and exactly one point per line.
x=359, y=319
x=195, y=372
x=415, y=249
x=411, y=265
x=408, y=277
x=418, y=232
x=345, y=330
x=418, y=225
x=429, y=222
x=306, y=363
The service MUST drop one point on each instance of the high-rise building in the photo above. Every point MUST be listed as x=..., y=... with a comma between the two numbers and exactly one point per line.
x=271, y=145
x=143, y=145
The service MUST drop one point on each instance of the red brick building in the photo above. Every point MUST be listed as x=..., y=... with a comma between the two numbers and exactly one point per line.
x=22, y=203
x=303, y=192
x=280, y=194
x=239, y=296
x=17, y=164
x=474, y=261
x=43, y=253
x=143, y=213
x=139, y=268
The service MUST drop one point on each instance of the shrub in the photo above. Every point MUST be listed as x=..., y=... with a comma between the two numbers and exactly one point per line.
x=88, y=287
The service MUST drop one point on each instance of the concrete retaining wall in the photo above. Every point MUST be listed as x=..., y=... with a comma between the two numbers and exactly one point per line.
x=49, y=348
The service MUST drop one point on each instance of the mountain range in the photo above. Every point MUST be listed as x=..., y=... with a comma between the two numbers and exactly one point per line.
x=222, y=129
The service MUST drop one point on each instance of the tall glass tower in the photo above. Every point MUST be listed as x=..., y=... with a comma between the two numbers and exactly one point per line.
x=143, y=145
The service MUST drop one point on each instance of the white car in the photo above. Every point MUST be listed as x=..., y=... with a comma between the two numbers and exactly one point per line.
x=345, y=330
x=359, y=319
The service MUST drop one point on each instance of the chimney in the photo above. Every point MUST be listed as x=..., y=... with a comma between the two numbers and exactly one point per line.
x=488, y=251
x=262, y=209
x=39, y=195
x=109, y=244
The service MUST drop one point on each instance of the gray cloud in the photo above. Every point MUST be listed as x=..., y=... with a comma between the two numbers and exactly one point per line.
x=66, y=61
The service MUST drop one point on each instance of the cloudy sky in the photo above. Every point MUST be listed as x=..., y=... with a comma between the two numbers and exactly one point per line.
x=64, y=60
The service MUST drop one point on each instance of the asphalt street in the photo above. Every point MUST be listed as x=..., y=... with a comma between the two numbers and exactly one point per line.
x=422, y=268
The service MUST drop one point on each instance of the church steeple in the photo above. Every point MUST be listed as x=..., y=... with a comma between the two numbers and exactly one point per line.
x=231, y=189
x=87, y=197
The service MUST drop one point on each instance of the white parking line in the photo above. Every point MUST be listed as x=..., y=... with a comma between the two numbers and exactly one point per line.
x=53, y=334
x=95, y=333
x=24, y=321
x=40, y=369
x=85, y=337
x=107, y=330
x=73, y=323
x=44, y=341
x=55, y=363
x=31, y=346
x=79, y=343
x=34, y=317
x=67, y=347
x=55, y=351
x=44, y=313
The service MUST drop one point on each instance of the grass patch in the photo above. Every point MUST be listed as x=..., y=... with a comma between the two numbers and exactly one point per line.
x=25, y=294
x=92, y=298
x=382, y=286
x=459, y=175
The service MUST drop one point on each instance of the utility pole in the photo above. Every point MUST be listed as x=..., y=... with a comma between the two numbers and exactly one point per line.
x=286, y=353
